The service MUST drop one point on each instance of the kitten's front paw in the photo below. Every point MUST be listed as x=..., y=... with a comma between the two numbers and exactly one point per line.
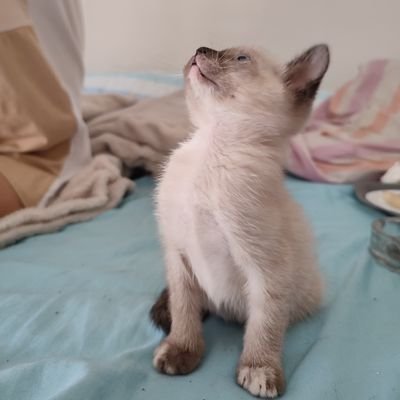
x=267, y=381
x=171, y=359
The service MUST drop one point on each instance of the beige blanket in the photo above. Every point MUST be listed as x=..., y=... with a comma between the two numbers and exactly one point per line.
x=125, y=133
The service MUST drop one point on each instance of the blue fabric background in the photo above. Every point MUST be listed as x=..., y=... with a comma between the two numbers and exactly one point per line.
x=74, y=313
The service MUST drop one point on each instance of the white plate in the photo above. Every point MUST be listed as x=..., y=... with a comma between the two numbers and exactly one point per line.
x=376, y=198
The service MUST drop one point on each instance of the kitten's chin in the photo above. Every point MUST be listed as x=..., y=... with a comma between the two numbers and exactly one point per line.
x=196, y=74
x=200, y=113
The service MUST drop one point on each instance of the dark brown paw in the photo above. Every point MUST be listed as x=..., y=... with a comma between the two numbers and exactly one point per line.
x=267, y=381
x=160, y=313
x=172, y=360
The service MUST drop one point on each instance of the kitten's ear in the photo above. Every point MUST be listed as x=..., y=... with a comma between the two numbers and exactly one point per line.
x=303, y=74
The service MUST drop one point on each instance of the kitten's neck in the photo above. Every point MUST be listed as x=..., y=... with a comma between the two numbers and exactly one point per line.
x=244, y=134
x=247, y=145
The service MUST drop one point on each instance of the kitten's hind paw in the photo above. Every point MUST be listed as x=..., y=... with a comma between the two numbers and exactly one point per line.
x=267, y=381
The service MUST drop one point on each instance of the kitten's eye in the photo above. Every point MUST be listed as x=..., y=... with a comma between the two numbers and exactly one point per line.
x=242, y=58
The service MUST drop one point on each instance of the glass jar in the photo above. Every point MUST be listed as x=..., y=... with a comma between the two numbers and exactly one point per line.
x=385, y=242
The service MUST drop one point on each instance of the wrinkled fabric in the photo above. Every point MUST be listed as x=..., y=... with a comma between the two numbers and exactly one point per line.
x=74, y=313
x=124, y=134
x=141, y=134
x=355, y=133
x=43, y=141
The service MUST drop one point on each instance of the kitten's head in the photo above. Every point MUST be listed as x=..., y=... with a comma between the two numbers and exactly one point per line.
x=243, y=82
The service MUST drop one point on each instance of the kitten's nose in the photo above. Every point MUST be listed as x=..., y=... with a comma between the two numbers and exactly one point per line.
x=206, y=51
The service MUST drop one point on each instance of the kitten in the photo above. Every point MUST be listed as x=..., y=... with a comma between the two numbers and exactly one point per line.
x=236, y=244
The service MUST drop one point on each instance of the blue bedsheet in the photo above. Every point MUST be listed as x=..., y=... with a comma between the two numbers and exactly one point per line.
x=74, y=313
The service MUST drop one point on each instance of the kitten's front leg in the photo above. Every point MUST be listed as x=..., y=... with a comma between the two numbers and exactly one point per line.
x=181, y=351
x=259, y=247
x=260, y=369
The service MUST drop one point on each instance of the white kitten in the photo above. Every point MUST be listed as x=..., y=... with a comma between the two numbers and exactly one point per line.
x=235, y=242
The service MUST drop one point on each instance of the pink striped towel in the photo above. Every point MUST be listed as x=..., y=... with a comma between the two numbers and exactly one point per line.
x=355, y=132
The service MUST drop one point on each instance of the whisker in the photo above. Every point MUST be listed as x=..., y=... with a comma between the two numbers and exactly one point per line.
x=216, y=57
x=223, y=57
x=228, y=60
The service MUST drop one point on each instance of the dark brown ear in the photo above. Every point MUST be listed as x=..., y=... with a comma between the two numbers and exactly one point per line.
x=303, y=74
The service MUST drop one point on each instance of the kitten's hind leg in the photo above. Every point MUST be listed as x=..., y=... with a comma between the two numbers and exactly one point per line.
x=181, y=351
x=160, y=313
x=310, y=298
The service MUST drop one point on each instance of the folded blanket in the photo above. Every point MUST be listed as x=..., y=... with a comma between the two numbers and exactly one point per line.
x=142, y=134
x=356, y=132
x=96, y=188
x=124, y=133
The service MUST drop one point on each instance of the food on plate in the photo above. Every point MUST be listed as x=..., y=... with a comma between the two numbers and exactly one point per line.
x=392, y=198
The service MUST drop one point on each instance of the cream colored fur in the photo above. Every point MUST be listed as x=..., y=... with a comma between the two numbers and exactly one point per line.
x=235, y=241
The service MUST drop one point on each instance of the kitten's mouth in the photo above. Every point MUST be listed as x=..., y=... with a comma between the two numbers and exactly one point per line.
x=196, y=65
